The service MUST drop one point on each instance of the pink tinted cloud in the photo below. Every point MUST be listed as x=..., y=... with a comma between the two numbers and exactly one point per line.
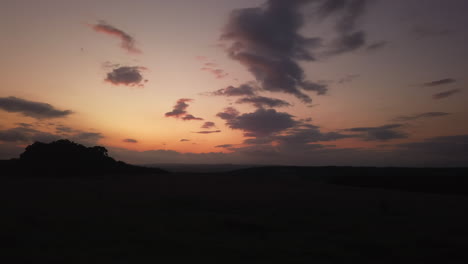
x=127, y=41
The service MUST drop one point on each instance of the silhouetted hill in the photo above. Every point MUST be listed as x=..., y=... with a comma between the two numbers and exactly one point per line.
x=64, y=157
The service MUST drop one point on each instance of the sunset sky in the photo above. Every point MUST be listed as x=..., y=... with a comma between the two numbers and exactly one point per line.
x=293, y=82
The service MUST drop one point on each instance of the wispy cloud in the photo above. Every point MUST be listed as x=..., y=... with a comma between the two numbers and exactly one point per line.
x=439, y=82
x=127, y=41
x=208, y=132
x=380, y=133
x=445, y=94
x=420, y=116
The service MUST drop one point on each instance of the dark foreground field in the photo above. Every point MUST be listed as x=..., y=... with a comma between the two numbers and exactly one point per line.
x=275, y=215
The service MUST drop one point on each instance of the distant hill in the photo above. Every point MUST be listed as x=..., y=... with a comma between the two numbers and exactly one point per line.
x=428, y=180
x=65, y=157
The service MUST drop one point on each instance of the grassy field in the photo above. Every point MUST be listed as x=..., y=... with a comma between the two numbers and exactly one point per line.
x=225, y=218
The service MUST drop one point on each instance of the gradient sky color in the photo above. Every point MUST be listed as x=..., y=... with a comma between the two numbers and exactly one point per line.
x=395, y=97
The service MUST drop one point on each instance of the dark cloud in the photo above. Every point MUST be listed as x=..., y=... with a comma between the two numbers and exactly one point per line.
x=184, y=140
x=262, y=102
x=208, y=132
x=439, y=82
x=267, y=42
x=180, y=110
x=130, y=140
x=381, y=133
x=225, y=146
x=301, y=138
x=229, y=113
x=126, y=75
x=347, y=13
x=26, y=135
x=425, y=32
x=262, y=122
x=29, y=135
x=377, y=45
x=421, y=116
x=208, y=125
x=445, y=94
x=304, y=134
x=30, y=108
x=242, y=90
x=191, y=117
x=128, y=42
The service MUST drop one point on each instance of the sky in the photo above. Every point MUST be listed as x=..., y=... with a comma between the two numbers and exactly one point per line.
x=297, y=82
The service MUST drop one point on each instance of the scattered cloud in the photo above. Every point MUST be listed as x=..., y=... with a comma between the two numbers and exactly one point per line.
x=242, y=90
x=30, y=108
x=445, y=94
x=180, y=110
x=432, y=152
x=262, y=122
x=267, y=42
x=127, y=41
x=208, y=125
x=130, y=140
x=421, y=116
x=208, y=132
x=127, y=75
x=262, y=102
x=218, y=73
x=191, y=117
x=381, y=133
x=439, y=82
x=26, y=135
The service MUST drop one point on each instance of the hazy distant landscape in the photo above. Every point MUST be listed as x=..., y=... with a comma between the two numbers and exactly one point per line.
x=250, y=215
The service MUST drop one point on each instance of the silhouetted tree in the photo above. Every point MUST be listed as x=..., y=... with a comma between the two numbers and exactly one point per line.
x=63, y=157
x=66, y=154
